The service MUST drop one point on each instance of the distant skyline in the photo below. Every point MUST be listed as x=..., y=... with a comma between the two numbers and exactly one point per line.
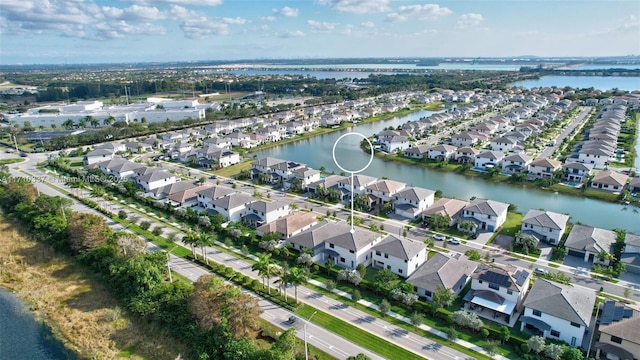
x=99, y=31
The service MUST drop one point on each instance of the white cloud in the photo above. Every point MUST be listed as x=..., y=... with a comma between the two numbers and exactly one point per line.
x=180, y=2
x=320, y=26
x=468, y=20
x=426, y=11
x=122, y=29
x=286, y=11
x=357, y=6
x=235, y=21
x=292, y=34
x=268, y=18
x=367, y=24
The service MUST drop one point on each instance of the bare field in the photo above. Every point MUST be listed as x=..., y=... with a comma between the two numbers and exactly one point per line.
x=80, y=311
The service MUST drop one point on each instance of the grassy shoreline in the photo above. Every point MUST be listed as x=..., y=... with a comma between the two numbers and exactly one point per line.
x=76, y=307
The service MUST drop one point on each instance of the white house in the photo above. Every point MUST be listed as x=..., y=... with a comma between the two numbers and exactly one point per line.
x=260, y=212
x=610, y=181
x=466, y=154
x=351, y=248
x=410, y=202
x=360, y=183
x=401, y=256
x=232, y=206
x=543, y=168
x=442, y=271
x=577, y=172
x=119, y=168
x=98, y=155
x=545, y=225
x=383, y=190
x=488, y=159
x=588, y=242
x=503, y=144
x=489, y=215
x=396, y=143
x=156, y=179
x=441, y=152
x=289, y=225
x=516, y=163
x=559, y=312
x=446, y=207
x=499, y=288
x=206, y=196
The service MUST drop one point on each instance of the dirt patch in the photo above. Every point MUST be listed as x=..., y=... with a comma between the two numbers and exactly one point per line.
x=80, y=311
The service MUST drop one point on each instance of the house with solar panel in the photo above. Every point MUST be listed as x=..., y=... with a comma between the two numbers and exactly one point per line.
x=497, y=292
x=619, y=332
x=559, y=312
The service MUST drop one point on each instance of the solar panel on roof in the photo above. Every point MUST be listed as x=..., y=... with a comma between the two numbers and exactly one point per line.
x=627, y=313
x=607, y=313
x=617, y=313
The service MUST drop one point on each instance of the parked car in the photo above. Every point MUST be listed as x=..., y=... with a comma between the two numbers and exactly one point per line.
x=291, y=320
x=540, y=271
x=439, y=237
x=213, y=176
x=453, y=241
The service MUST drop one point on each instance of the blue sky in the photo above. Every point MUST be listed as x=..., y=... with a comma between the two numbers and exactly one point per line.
x=98, y=31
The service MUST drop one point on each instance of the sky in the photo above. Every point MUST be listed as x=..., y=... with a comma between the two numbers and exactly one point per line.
x=99, y=31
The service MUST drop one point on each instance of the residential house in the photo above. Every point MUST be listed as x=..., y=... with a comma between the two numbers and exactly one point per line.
x=445, y=207
x=232, y=206
x=351, y=246
x=360, y=183
x=162, y=192
x=559, y=312
x=442, y=271
x=401, y=256
x=631, y=254
x=383, y=190
x=466, y=155
x=119, y=168
x=634, y=185
x=544, y=225
x=395, y=143
x=488, y=160
x=417, y=152
x=516, y=163
x=289, y=225
x=206, y=196
x=543, y=168
x=410, y=202
x=610, y=181
x=465, y=139
x=499, y=289
x=487, y=215
x=260, y=212
x=588, y=242
x=441, y=152
x=576, y=172
x=98, y=155
x=156, y=179
x=187, y=197
x=503, y=144
x=305, y=175
x=619, y=335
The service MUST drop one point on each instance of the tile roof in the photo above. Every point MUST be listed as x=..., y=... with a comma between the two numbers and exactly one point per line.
x=487, y=207
x=404, y=249
x=441, y=271
x=592, y=239
x=546, y=219
x=446, y=206
x=574, y=304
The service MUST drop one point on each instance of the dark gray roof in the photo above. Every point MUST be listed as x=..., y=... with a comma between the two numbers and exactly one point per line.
x=574, y=304
x=232, y=201
x=155, y=175
x=627, y=328
x=587, y=238
x=487, y=207
x=404, y=249
x=508, y=276
x=494, y=155
x=547, y=219
x=313, y=236
x=536, y=322
x=441, y=271
x=342, y=236
x=215, y=192
x=266, y=206
x=416, y=194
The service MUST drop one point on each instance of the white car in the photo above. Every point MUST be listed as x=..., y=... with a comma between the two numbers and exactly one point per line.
x=439, y=237
x=453, y=241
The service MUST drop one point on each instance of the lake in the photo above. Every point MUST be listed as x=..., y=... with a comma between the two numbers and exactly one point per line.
x=22, y=337
x=628, y=83
x=317, y=152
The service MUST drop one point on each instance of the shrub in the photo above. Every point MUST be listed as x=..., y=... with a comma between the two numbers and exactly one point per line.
x=122, y=214
x=145, y=225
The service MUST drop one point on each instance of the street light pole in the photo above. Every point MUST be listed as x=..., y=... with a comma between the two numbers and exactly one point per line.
x=306, y=348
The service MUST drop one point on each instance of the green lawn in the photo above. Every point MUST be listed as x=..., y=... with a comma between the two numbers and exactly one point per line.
x=512, y=225
x=11, y=161
x=357, y=335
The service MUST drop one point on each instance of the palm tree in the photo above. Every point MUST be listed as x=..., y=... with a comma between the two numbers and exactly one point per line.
x=190, y=238
x=283, y=280
x=92, y=121
x=296, y=277
x=68, y=124
x=204, y=240
x=109, y=120
x=263, y=267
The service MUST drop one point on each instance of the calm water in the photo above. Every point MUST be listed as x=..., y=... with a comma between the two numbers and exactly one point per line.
x=442, y=66
x=318, y=74
x=317, y=152
x=22, y=337
x=602, y=67
x=627, y=83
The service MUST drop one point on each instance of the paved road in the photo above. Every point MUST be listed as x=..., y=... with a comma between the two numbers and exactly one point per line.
x=319, y=337
x=548, y=152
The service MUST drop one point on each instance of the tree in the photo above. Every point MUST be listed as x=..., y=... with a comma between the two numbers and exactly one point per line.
x=417, y=319
x=296, y=277
x=330, y=285
x=505, y=333
x=473, y=255
x=362, y=270
x=263, y=267
x=572, y=354
x=87, y=231
x=452, y=334
x=384, y=280
x=554, y=351
x=130, y=244
x=122, y=214
x=491, y=347
x=443, y=297
x=328, y=264
x=356, y=296
x=384, y=307
x=145, y=225
x=305, y=259
x=191, y=238
x=536, y=344
x=204, y=239
x=359, y=357
x=439, y=221
x=467, y=319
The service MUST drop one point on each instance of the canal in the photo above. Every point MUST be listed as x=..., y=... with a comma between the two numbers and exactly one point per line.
x=317, y=152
